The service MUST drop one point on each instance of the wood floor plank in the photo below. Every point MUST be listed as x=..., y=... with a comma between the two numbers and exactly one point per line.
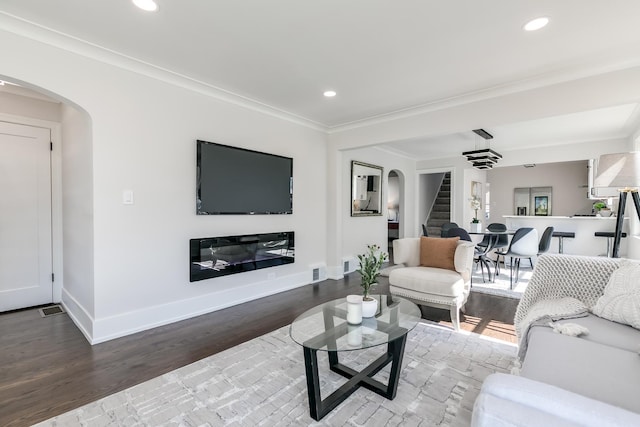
x=47, y=367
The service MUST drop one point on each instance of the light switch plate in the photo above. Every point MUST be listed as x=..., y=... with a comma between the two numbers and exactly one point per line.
x=127, y=197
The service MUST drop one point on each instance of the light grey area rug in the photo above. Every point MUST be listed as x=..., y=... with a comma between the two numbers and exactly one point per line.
x=262, y=383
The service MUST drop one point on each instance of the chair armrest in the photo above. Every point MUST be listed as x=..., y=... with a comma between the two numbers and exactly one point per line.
x=407, y=251
x=463, y=259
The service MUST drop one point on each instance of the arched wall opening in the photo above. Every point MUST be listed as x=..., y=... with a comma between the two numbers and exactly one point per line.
x=70, y=129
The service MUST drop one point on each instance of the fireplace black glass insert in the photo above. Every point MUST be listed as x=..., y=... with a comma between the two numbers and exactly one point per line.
x=219, y=256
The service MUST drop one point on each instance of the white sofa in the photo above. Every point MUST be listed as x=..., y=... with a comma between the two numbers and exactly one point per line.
x=431, y=286
x=588, y=380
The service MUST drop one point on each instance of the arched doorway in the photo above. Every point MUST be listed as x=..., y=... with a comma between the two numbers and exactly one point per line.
x=395, y=208
x=70, y=200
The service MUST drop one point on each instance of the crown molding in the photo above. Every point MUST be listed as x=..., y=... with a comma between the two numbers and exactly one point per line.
x=60, y=40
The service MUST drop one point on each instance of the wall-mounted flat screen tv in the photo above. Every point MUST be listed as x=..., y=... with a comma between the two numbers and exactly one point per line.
x=236, y=181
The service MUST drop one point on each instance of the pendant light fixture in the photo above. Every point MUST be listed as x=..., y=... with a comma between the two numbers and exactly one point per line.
x=483, y=158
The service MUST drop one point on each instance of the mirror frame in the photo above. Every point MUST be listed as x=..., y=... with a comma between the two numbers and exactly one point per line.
x=356, y=177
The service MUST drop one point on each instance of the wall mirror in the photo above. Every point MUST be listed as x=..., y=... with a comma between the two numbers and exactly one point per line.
x=534, y=201
x=366, y=189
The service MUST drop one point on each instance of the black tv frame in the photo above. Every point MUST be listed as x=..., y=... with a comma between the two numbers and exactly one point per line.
x=200, y=211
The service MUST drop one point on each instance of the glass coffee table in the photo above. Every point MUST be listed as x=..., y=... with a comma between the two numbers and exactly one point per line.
x=325, y=328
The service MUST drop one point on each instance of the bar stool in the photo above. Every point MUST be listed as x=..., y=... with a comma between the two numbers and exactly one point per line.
x=609, y=235
x=561, y=235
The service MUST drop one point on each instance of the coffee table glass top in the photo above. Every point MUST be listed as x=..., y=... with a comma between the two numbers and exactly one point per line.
x=325, y=327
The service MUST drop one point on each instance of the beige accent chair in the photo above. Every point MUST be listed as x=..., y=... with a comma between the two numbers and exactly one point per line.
x=434, y=287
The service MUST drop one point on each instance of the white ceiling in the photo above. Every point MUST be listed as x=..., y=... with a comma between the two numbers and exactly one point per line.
x=381, y=56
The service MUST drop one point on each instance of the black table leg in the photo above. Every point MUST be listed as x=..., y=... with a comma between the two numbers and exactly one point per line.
x=318, y=407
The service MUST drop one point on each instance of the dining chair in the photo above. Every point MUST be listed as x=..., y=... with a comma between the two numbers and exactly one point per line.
x=524, y=244
x=444, y=230
x=502, y=239
x=480, y=254
x=545, y=242
x=459, y=232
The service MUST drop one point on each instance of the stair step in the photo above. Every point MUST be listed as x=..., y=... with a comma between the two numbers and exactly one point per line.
x=440, y=215
x=434, y=231
x=437, y=222
x=441, y=207
x=441, y=210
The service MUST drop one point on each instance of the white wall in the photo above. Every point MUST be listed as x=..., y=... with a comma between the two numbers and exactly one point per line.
x=473, y=175
x=358, y=232
x=143, y=138
x=567, y=179
x=23, y=106
x=78, y=227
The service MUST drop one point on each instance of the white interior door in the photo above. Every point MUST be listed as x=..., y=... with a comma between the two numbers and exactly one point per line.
x=25, y=216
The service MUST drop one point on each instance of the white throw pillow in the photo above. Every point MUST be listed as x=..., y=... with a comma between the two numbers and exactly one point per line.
x=621, y=300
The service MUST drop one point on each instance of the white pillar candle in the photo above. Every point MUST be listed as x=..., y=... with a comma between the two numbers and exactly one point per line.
x=354, y=309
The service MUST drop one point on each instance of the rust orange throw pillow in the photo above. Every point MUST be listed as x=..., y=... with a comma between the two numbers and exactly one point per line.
x=439, y=253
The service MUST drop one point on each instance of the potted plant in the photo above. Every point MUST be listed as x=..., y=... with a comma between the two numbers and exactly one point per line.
x=370, y=264
x=475, y=222
x=602, y=209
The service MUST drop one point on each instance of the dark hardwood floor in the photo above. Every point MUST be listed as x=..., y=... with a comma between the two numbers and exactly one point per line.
x=47, y=367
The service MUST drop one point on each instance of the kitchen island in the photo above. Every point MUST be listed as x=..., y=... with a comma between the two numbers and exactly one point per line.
x=584, y=227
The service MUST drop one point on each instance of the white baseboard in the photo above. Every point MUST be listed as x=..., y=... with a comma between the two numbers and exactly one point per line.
x=108, y=328
x=335, y=272
x=78, y=314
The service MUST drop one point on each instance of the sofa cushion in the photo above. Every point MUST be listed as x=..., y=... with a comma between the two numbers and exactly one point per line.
x=609, y=333
x=438, y=252
x=508, y=400
x=600, y=372
x=430, y=280
x=621, y=299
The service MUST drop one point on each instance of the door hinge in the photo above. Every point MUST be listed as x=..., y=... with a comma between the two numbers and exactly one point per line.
x=51, y=146
x=53, y=277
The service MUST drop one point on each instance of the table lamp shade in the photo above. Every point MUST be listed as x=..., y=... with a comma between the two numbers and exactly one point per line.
x=620, y=170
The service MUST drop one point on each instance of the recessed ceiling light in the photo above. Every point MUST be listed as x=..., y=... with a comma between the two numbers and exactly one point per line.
x=536, y=24
x=330, y=93
x=148, y=5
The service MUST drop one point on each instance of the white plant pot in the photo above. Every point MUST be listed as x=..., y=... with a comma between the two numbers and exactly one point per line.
x=475, y=227
x=605, y=212
x=369, y=308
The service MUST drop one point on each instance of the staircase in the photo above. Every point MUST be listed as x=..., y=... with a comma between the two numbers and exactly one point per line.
x=441, y=212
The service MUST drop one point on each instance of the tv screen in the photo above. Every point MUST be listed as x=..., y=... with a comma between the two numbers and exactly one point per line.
x=235, y=181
